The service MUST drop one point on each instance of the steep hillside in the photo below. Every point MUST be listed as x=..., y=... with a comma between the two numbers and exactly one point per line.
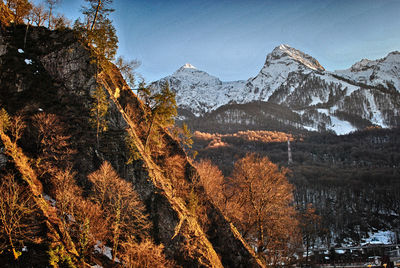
x=52, y=73
x=343, y=101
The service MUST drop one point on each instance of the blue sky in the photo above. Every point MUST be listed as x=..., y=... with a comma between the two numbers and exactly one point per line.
x=230, y=38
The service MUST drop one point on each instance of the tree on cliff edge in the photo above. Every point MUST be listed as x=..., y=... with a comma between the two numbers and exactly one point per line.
x=162, y=110
x=97, y=29
x=99, y=33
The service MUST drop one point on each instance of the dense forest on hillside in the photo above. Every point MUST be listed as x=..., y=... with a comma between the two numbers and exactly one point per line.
x=351, y=180
x=241, y=117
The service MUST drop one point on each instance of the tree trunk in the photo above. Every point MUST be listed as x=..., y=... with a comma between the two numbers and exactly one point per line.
x=50, y=11
x=307, y=248
x=95, y=15
x=15, y=253
x=260, y=246
x=149, y=133
x=26, y=32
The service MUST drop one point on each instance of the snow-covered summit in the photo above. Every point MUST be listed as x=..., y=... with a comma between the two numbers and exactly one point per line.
x=281, y=62
x=191, y=76
x=188, y=65
x=286, y=53
x=199, y=91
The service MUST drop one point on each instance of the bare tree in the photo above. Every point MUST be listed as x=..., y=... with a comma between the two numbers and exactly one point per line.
x=51, y=4
x=122, y=206
x=81, y=218
x=213, y=181
x=53, y=145
x=144, y=255
x=262, y=206
x=39, y=15
x=16, y=210
x=310, y=227
x=60, y=22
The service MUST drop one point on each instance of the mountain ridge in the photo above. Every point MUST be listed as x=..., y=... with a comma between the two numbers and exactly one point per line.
x=368, y=90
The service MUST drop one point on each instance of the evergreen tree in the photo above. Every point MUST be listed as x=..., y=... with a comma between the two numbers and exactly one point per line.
x=97, y=29
x=144, y=93
x=164, y=106
x=162, y=110
x=99, y=33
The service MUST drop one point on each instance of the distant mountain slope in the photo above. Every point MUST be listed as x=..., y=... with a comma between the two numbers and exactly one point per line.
x=366, y=94
x=383, y=72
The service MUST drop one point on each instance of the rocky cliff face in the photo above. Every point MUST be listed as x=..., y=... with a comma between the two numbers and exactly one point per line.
x=52, y=72
x=366, y=94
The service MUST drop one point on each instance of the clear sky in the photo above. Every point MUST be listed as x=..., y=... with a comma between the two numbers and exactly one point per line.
x=231, y=38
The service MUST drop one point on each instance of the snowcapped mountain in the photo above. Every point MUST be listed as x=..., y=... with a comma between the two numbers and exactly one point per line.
x=366, y=94
x=281, y=62
x=198, y=91
x=383, y=72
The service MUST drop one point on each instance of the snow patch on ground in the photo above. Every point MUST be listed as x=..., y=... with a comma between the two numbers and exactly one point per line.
x=380, y=237
x=20, y=50
x=341, y=127
x=299, y=112
x=28, y=61
x=328, y=78
x=310, y=128
x=106, y=251
x=377, y=117
x=51, y=200
x=315, y=100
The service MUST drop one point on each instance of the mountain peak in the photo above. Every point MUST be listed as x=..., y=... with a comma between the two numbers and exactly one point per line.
x=285, y=50
x=283, y=47
x=361, y=65
x=188, y=66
